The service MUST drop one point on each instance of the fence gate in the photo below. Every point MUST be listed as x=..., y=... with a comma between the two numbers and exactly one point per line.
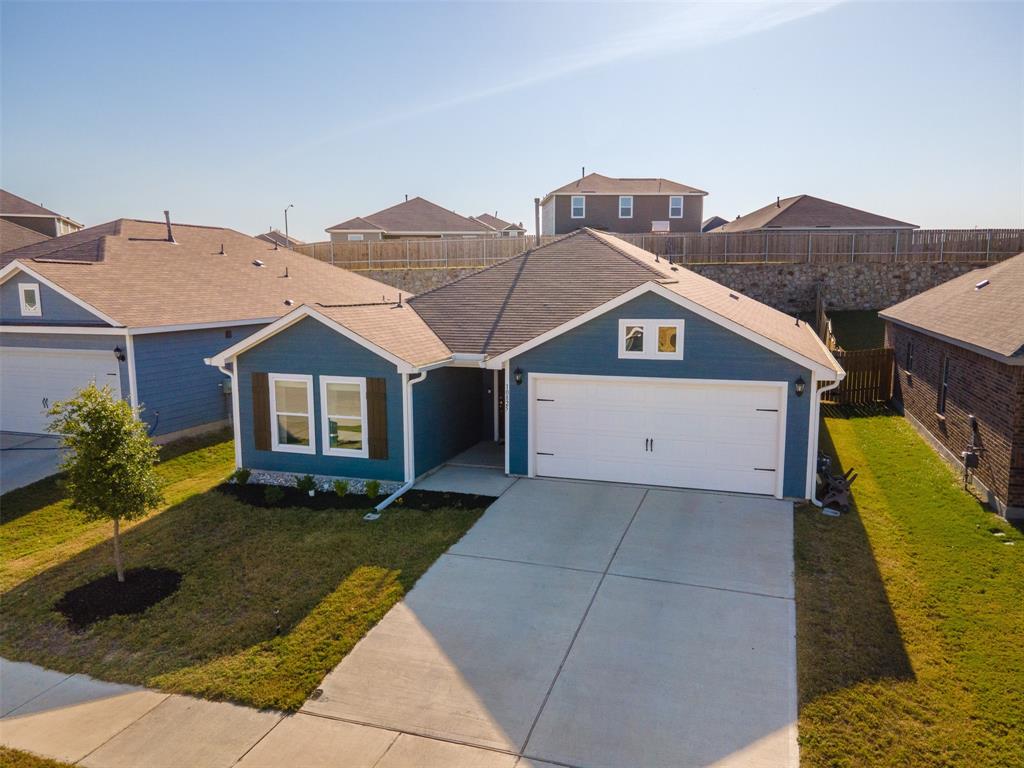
x=869, y=376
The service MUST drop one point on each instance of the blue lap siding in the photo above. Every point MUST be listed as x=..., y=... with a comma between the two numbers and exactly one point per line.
x=176, y=389
x=710, y=352
x=56, y=309
x=446, y=415
x=311, y=348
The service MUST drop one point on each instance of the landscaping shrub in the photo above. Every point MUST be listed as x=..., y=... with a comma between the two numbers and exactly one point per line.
x=341, y=487
x=273, y=494
x=305, y=484
x=372, y=489
x=241, y=476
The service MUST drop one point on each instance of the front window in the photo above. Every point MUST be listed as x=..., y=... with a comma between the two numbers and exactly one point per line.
x=29, y=295
x=343, y=409
x=626, y=207
x=355, y=238
x=651, y=339
x=291, y=403
x=943, y=387
x=579, y=206
x=675, y=207
x=910, y=357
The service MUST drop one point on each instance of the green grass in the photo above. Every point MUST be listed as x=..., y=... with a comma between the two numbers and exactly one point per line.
x=271, y=599
x=910, y=614
x=15, y=758
x=858, y=329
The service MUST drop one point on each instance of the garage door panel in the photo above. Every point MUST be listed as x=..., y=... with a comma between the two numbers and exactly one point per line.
x=714, y=435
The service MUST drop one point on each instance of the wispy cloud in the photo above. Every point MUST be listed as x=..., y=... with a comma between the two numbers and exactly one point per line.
x=685, y=26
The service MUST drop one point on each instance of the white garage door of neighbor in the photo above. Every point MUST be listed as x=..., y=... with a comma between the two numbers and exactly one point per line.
x=33, y=379
x=714, y=435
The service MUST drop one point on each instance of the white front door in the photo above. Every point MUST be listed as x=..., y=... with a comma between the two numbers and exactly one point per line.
x=33, y=379
x=715, y=435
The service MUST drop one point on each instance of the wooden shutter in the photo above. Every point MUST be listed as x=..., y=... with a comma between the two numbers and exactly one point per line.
x=377, y=417
x=260, y=411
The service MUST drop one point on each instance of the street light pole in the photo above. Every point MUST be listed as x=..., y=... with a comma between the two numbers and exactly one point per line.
x=287, y=240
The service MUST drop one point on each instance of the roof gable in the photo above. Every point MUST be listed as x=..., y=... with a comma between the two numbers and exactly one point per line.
x=808, y=212
x=16, y=236
x=14, y=205
x=980, y=309
x=596, y=184
x=415, y=215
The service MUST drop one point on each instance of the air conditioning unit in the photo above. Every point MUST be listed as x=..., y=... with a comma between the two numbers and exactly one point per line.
x=661, y=226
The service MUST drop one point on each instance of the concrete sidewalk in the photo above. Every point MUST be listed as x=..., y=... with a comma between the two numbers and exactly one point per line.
x=83, y=721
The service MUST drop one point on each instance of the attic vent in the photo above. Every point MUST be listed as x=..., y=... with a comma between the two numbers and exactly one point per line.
x=734, y=296
x=288, y=302
x=979, y=286
x=257, y=263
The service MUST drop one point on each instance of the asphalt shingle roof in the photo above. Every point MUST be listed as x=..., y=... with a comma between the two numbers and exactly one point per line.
x=16, y=236
x=416, y=215
x=497, y=224
x=276, y=236
x=13, y=205
x=987, y=316
x=807, y=212
x=595, y=183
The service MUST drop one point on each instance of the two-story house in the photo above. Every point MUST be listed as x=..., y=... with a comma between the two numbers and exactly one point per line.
x=26, y=214
x=622, y=205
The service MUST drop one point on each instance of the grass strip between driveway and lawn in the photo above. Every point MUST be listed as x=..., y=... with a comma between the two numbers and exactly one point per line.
x=15, y=758
x=910, y=612
x=271, y=599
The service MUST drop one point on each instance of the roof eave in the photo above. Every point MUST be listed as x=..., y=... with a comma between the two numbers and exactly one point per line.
x=1015, y=360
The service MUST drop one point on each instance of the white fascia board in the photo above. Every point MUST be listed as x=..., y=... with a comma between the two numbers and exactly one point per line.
x=299, y=313
x=15, y=266
x=199, y=326
x=1005, y=360
x=823, y=373
x=77, y=330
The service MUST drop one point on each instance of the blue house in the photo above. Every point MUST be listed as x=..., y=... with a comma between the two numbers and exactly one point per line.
x=586, y=358
x=138, y=306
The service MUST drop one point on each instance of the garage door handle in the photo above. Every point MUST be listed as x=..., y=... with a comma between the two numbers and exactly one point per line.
x=647, y=444
x=652, y=445
x=763, y=469
x=545, y=400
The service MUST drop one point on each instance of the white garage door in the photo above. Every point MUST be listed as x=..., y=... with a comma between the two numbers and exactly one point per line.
x=725, y=436
x=31, y=380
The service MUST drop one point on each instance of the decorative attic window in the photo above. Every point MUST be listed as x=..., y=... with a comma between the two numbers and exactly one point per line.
x=675, y=207
x=579, y=207
x=28, y=293
x=651, y=339
x=625, y=206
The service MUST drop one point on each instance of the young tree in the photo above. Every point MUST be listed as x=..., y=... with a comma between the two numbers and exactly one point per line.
x=110, y=473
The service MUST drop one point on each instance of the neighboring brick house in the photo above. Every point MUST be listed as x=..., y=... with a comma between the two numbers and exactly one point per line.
x=18, y=210
x=417, y=218
x=623, y=206
x=805, y=212
x=960, y=374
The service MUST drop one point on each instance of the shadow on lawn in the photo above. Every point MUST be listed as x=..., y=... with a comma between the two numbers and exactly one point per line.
x=271, y=599
x=846, y=630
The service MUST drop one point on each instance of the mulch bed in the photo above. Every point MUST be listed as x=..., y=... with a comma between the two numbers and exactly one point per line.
x=106, y=597
x=427, y=501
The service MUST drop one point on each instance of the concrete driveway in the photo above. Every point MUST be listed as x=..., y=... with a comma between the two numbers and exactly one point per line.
x=26, y=458
x=589, y=625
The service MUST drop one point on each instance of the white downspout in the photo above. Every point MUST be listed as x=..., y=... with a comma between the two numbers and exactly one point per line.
x=817, y=429
x=235, y=427
x=133, y=388
x=407, y=438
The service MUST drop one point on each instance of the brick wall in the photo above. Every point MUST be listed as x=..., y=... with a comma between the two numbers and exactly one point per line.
x=993, y=392
x=789, y=287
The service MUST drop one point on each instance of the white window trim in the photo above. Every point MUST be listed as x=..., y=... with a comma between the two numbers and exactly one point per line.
x=626, y=197
x=325, y=425
x=354, y=238
x=27, y=311
x=650, y=351
x=572, y=206
x=682, y=205
x=307, y=379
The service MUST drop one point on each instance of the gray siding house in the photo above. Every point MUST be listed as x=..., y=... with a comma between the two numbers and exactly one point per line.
x=623, y=206
x=138, y=306
x=651, y=375
x=17, y=210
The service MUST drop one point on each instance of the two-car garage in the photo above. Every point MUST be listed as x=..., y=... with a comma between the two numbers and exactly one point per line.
x=690, y=433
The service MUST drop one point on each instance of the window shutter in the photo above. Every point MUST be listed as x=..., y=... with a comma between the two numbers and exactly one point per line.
x=260, y=411
x=377, y=417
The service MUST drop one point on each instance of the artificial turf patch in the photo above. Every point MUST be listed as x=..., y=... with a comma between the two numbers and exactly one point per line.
x=105, y=597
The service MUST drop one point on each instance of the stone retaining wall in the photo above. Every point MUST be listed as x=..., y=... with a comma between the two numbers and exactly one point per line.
x=789, y=287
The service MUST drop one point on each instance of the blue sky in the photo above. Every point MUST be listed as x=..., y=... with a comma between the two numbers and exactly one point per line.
x=227, y=112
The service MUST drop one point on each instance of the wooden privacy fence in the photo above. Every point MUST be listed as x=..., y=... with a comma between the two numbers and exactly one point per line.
x=974, y=246
x=869, y=377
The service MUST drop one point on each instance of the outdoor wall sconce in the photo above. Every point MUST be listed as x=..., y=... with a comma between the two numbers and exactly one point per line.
x=798, y=386
x=518, y=375
x=119, y=354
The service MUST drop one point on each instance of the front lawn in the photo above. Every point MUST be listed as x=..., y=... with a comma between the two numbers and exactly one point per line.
x=271, y=598
x=910, y=613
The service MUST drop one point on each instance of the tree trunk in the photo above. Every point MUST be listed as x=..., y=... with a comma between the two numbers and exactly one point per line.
x=118, y=564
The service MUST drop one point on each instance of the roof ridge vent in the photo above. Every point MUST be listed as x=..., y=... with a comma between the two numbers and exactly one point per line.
x=979, y=285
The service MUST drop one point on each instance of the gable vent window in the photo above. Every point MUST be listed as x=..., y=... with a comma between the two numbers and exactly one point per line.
x=626, y=207
x=943, y=387
x=579, y=207
x=675, y=207
x=28, y=293
x=651, y=339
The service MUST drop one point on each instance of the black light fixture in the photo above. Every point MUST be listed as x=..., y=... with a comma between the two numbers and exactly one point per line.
x=798, y=386
x=518, y=375
x=119, y=354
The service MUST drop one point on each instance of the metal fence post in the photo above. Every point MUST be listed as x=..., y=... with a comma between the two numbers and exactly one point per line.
x=988, y=246
x=725, y=256
x=853, y=247
x=896, y=256
x=808, y=247
x=942, y=246
x=766, y=247
x=332, y=253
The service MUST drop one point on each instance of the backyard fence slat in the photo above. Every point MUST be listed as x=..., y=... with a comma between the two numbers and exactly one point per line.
x=869, y=376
